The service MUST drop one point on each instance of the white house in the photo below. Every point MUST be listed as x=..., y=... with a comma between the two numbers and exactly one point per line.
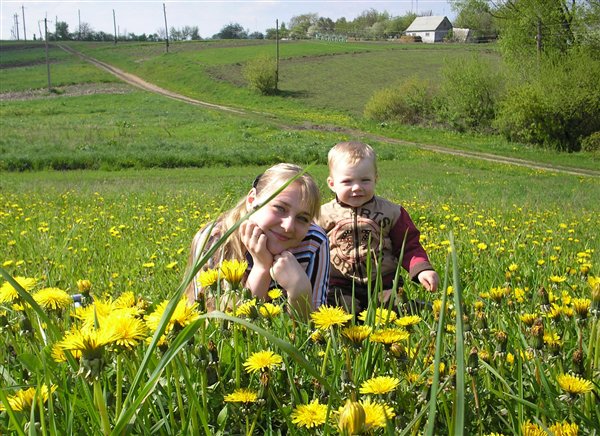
x=430, y=29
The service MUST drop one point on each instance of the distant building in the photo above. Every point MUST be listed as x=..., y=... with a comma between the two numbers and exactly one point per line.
x=462, y=35
x=430, y=29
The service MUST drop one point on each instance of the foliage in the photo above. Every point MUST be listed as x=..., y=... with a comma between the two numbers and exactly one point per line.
x=261, y=74
x=468, y=95
x=410, y=102
x=232, y=31
x=557, y=106
x=591, y=143
x=475, y=15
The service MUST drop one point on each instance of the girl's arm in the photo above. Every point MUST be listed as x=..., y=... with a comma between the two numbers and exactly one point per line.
x=291, y=276
x=255, y=241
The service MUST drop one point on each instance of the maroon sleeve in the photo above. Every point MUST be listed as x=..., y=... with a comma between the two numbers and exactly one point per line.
x=414, y=258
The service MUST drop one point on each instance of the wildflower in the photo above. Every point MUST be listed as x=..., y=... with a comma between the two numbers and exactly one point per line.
x=558, y=279
x=208, y=278
x=482, y=246
x=379, y=385
x=269, y=310
x=376, y=414
x=389, y=336
x=8, y=293
x=382, y=316
x=241, y=395
x=275, y=293
x=317, y=337
x=262, y=361
x=247, y=309
x=182, y=316
x=91, y=345
x=497, y=294
x=326, y=316
x=148, y=265
x=171, y=265
x=309, y=415
x=581, y=306
x=22, y=400
x=528, y=318
x=574, y=385
x=352, y=418
x=510, y=359
x=128, y=330
x=58, y=353
x=564, y=429
x=233, y=271
x=530, y=429
x=84, y=286
x=52, y=299
x=357, y=333
x=553, y=342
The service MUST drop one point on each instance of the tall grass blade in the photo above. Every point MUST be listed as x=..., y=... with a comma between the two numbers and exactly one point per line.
x=459, y=402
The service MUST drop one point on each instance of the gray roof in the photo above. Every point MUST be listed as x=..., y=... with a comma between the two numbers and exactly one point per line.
x=422, y=24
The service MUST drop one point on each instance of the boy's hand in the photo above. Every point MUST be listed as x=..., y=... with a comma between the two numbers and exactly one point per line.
x=429, y=279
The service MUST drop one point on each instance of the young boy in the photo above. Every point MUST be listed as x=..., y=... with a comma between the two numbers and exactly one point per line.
x=357, y=220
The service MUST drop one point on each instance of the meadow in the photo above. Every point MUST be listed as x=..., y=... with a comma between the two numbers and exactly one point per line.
x=510, y=345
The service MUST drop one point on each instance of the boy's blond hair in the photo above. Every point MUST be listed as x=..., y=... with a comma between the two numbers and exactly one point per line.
x=351, y=152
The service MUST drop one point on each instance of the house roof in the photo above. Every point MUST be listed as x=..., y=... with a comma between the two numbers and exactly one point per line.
x=422, y=24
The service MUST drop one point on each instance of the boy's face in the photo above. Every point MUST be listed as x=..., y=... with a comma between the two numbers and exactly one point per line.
x=354, y=184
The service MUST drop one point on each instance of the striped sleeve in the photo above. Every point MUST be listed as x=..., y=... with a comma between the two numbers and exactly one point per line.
x=313, y=255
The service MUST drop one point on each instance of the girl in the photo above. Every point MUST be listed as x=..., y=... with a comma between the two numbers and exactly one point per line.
x=280, y=242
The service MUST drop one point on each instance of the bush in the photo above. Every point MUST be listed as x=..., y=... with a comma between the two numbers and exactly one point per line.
x=591, y=143
x=261, y=74
x=557, y=107
x=468, y=94
x=409, y=103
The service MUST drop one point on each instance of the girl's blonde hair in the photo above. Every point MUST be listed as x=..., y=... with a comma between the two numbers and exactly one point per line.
x=351, y=152
x=265, y=185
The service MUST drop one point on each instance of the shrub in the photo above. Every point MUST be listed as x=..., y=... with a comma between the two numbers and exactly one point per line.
x=261, y=74
x=591, y=143
x=409, y=103
x=468, y=94
x=556, y=107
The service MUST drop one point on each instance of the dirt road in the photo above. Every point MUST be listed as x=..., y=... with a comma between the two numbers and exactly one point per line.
x=140, y=83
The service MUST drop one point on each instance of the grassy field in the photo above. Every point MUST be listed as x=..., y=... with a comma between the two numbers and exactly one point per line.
x=510, y=345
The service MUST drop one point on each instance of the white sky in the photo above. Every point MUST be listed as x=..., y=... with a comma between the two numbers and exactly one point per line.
x=209, y=15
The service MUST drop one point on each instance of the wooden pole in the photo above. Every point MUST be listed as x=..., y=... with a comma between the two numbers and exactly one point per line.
x=47, y=57
x=24, y=31
x=277, y=54
x=166, y=28
x=115, y=24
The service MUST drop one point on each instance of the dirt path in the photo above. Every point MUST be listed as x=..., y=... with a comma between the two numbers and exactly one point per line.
x=142, y=84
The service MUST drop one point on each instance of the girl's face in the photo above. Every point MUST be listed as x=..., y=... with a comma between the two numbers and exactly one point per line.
x=284, y=220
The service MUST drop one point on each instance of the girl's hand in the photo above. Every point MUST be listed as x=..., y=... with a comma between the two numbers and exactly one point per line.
x=255, y=242
x=429, y=279
x=290, y=275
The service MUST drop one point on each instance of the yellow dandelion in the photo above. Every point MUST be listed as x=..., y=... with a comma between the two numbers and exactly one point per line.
x=352, y=418
x=497, y=294
x=309, y=415
x=275, y=293
x=233, y=271
x=84, y=286
x=317, y=336
x=379, y=385
x=241, y=395
x=262, y=361
x=573, y=384
x=58, y=353
x=356, y=333
x=581, y=306
x=482, y=246
x=326, y=317
x=208, y=278
x=376, y=414
x=513, y=267
x=382, y=316
x=182, y=316
x=389, y=336
x=52, y=299
x=530, y=429
x=171, y=265
x=408, y=321
x=564, y=429
x=269, y=310
x=247, y=309
x=128, y=330
x=8, y=293
x=558, y=279
x=90, y=343
x=22, y=400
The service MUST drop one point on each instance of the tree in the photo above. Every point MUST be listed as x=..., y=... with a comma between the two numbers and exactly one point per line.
x=396, y=26
x=86, y=32
x=476, y=15
x=299, y=24
x=62, y=31
x=232, y=31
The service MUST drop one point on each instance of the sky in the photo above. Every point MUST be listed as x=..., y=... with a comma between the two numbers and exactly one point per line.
x=209, y=15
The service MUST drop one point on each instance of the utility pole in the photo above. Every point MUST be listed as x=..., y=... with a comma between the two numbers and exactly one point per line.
x=16, y=16
x=115, y=24
x=166, y=27
x=47, y=58
x=24, y=31
x=79, y=19
x=277, y=54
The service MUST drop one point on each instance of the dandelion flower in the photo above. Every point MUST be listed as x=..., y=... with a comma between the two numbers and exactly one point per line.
x=310, y=415
x=382, y=316
x=88, y=342
x=247, y=309
x=530, y=429
x=326, y=316
x=357, y=333
x=275, y=293
x=8, y=293
x=53, y=298
x=351, y=418
x=376, y=414
x=581, y=306
x=408, y=321
x=242, y=395
x=22, y=400
x=389, y=336
x=182, y=316
x=564, y=429
x=558, y=279
x=208, y=278
x=379, y=385
x=574, y=385
x=128, y=330
x=233, y=271
x=262, y=361
x=269, y=310
x=84, y=286
x=58, y=353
